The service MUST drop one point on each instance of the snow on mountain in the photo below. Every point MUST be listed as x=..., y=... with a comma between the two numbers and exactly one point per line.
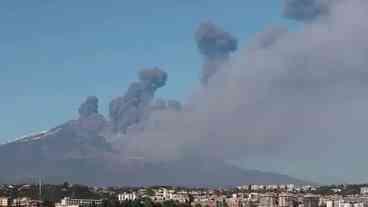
x=33, y=136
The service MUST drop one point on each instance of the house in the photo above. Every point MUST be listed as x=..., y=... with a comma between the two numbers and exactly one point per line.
x=68, y=202
x=127, y=196
x=4, y=201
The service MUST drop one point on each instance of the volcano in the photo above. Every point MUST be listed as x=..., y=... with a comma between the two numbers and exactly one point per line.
x=71, y=153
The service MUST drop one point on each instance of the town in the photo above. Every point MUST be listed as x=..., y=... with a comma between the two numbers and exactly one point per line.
x=288, y=195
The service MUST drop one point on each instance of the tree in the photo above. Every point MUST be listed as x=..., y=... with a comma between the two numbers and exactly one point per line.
x=150, y=192
x=147, y=202
x=169, y=203
x=191, y=199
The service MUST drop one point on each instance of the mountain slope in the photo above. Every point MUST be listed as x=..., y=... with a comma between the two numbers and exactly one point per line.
x=67, y=153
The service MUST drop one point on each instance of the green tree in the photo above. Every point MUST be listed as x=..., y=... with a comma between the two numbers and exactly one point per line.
x=169, y=203
x=147, y=202
x=150, y=192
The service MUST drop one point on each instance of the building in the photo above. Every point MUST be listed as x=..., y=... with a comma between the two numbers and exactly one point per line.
x=127, y=196
x=311, y=200
x=364, y=190
x=287, y=200
x=68, y=202
x=181, y=197
x=331, y=203
x=268, y=200
x=4, y=201
x=25, y=202
x=271, y=187
x=290, y=187
x=243, y=187
x=163, y=194
x=349, y=203
x=234, y=201
x=21, y=202
x=254, y=197
x=257, y=187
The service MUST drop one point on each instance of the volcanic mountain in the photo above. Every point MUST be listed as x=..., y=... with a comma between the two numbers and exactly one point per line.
x=64, y=154
x=78, y=152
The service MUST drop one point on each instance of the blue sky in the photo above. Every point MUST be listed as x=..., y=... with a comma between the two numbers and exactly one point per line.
x=55, y=53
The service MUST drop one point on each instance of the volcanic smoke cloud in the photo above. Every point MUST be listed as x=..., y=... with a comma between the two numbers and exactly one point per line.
x=299, y=95
x=267, y=38
x=161, y=104
x=89, y=107
x=287, y=96
x=306, y=10
x=89, y=119
x=132, y=107
x=215, y=45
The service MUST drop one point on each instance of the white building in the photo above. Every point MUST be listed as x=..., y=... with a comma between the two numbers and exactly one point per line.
x=253, y=197
x=127, y=196
x=331, y=203
x=243, y=187
x=21, y=202
x=272, y=187
x=336, y=190
x=180, y=197
x=311, y=200
x=268, y=200
x=290, y=187
x=257, y=187
x=287, y=200
x=4, y=201
x=68, y=202
x=342, y=203
x=364, y=190
x=163, y=194
x=358, y=204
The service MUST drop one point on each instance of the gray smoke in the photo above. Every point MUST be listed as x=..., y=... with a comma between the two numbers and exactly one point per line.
x=267, y=38
x=89, y=107
x=132, y=108
x=301, y=99
x=162, y=104
x=174, y=105
x=215, y=45
x=159, y=104
x=306, y=10
x=152, y=79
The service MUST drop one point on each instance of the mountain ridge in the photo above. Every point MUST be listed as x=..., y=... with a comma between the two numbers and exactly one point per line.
x=62, y=154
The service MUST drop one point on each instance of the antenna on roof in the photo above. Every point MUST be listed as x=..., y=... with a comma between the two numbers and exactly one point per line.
x=40, y=189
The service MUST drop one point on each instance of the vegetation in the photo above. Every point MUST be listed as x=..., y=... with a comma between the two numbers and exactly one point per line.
x=350, y=189
x=51, y=193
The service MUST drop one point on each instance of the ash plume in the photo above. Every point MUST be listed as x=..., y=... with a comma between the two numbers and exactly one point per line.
x=90, y=120
x=159, y=104
x=132, y=108
x=162, y=104
x=215, y=45
x=303, y=96
x=174, y=105
x=89, y=107
x=306, y=10
x=268, y=37
x=153, y=79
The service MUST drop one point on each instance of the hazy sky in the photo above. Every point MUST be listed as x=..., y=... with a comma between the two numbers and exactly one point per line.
x=55, y=53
